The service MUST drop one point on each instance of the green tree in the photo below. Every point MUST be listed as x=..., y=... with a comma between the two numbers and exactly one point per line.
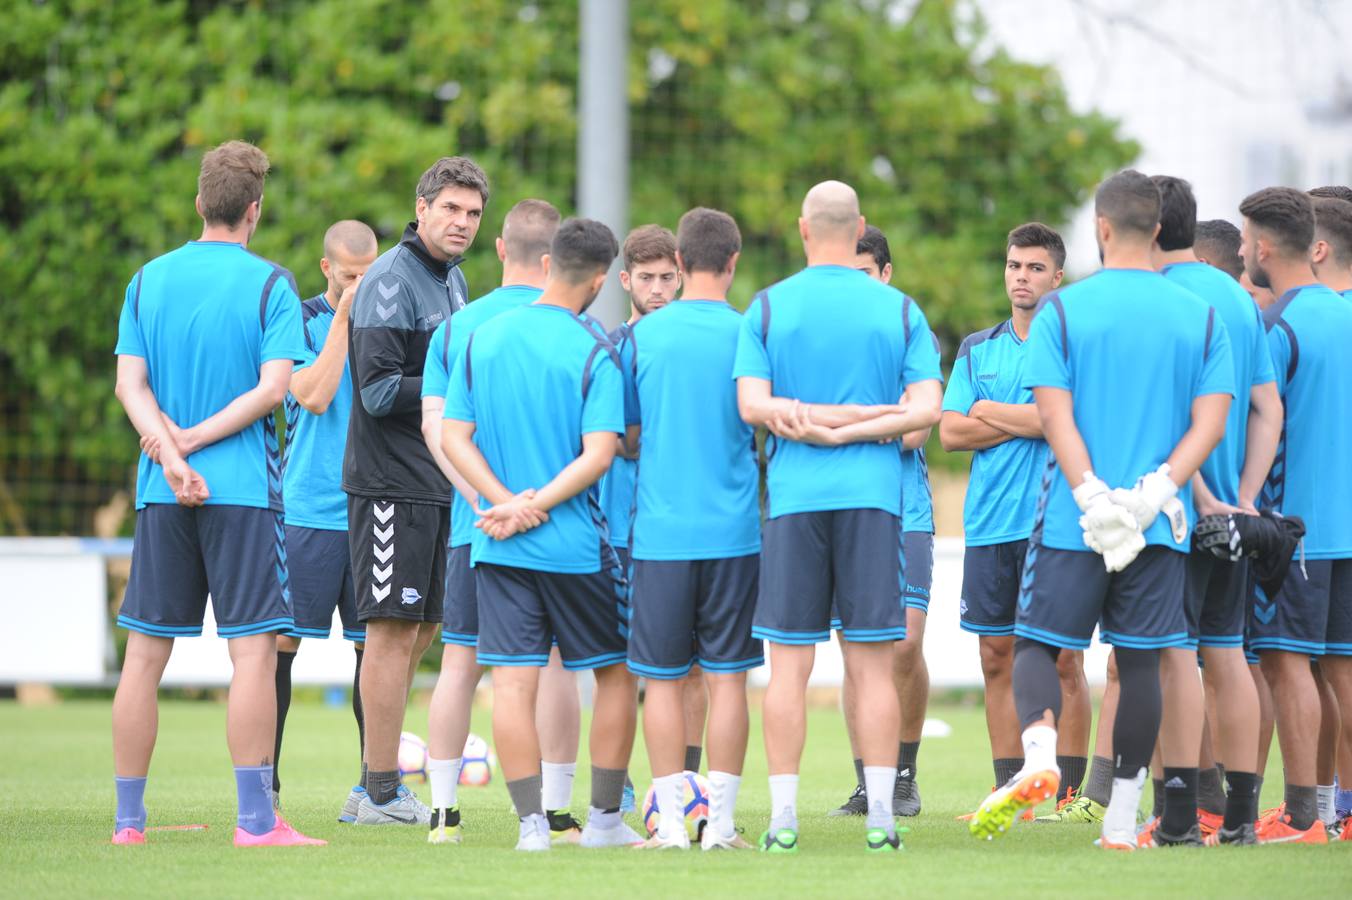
x=106, y=109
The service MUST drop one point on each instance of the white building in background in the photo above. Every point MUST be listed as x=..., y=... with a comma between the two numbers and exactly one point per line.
x=1233, y=95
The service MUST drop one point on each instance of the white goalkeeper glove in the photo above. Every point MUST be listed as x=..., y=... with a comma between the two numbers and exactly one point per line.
x=1155, y=492
x=1109, y=530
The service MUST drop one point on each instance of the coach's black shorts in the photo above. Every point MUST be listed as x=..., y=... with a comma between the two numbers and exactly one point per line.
x=991, y=575
x=853, y=557
x=460, y=619
x=522, y=612
x=180, y=554
x=398, y=558
x=1312, y=613
x=1215, y=600
x=321, y=582
x=697, y=612
x=1065, y=593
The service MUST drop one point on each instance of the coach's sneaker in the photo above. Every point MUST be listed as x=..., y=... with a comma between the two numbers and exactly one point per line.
x=617, y=835
x=1280, y=831
x=444, y=827
x=534, y=834
x=354, y=799
x=878, y=840
x=780, y=840
x=1158, y=837
x=906, y=798
x=1242, y=836
x=281, y=835
x=404, y=809
x=855, y=805
x=563, y=827
x=678, y=841
x=997, y=813
x=711, y=840
x=129, y=836
x=1079, y=811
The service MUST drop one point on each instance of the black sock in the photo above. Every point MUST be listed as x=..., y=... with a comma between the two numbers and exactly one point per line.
x=1180, y=799
x=1099, y=787
x=359, y=714
x=859, y=772
x=382, y=786
x=1007, y=768
x=1157, y=804
x=1037, y=687
x=694, y=754
x=1072, y=772
x=1302, y=805
x=1211, y=790
x=1138, y=713
x=906, y=767
x=284, y=661
x=1241, y=805
x=362, y=782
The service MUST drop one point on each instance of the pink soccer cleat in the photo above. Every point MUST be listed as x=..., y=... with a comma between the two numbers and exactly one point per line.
x=281, y=835
x=129, y=836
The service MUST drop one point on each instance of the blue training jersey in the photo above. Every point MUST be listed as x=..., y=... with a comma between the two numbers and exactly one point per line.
x=312, y=469
x=448, y=343
x=1252, y=361
x=917, y=504
x=831, y=334
x=205, y=317
x=534, y=381
x=1002, y=490
x=1132, y=392
x=698, y=480
x=617, y=486
x=1309, y=330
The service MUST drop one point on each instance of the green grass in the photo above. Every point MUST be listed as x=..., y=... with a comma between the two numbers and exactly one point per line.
x=56, y=776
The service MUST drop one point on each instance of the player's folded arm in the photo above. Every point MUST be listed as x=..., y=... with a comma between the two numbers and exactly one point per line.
x=960, y=432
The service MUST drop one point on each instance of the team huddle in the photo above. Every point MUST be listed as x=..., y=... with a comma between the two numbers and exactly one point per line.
x=1160, y=452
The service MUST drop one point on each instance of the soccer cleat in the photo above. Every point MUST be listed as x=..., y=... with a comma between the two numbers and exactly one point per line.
x=563, y=828
x=1080, y=810
x=444, y=829
x=997, y=813
x=879, y=841
x=1209, y=822
x=354, y=799
x=129, y=836
x=678, y=841
x=1240, y=837
x=404, y=809
x=1155, y=836
x=906, y=798
x=781, y=840
x=1280, y=831
x=711, y=841
x=281, y=835
x=1123, y=841
x=620, y=835
x=1272, y=814
x=534, y=834
x=1341, y=830
x=855, y=805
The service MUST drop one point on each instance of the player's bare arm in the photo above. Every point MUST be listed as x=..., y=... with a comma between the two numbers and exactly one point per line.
x=274, y=379
x=1205, y=432
x=314, y=386
x=1205, y=501
x=1056, y=409
x=1266, y=417
x=959, y=432
x=1015, y=419
x=432, y=408
x=758, y=405
x=598, y=452
x=628, y=446
x=133, y=390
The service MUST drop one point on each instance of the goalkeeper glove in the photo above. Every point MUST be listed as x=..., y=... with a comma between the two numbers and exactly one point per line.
x=1155, y=492
x=1109, y=530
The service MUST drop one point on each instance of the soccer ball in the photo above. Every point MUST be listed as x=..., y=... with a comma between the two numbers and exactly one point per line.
x=412, y=756
x=696, y=799
x=478, y=762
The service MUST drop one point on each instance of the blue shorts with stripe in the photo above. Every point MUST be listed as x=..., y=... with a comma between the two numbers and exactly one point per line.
x=460, y=608
x=1216, y=600
x=1065, y=593
x=849, y=559
x=688, y=612
x=321, y=582
x=180, y=554
x=917, y=554
x=1312, y=613
x=991, y=576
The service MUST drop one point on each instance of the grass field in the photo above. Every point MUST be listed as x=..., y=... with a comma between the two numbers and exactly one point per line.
x=56, y=772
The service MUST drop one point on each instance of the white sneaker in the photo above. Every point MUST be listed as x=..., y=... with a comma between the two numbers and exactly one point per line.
x=711, y=840
x=534, y=835
x=350, y=805
x=620, y=835
x=404, y=809
x=678, y=841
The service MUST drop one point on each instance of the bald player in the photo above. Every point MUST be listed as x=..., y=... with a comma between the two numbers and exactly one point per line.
x=821, y=360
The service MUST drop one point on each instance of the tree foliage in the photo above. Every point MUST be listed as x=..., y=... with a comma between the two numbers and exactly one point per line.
x=105, y=110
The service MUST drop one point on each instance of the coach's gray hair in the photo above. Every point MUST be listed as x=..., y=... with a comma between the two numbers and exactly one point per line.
x=452, y=171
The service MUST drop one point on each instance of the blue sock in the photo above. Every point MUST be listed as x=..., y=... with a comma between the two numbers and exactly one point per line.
x=131, y=807
x=1343, y=802
x=254, y=785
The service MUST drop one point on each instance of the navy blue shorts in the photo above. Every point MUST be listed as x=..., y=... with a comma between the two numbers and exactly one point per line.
x=523, y=612
x=180, y=554
x=1312, y=613
x=991, y=575
x=1215, y=600
x=321, y=582
x=398, y=558
x=683, y=613
x=851, y=559
x=1065, y=593
x=917, y=555
x=460, y=609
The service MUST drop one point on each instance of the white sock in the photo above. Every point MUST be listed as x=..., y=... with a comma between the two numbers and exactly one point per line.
x=784, y=801
x=879, y=782
x=445, y=777
x=671, y=811
x=557, y=779
x=1125, y=800
x=1039, y=749
x=1327, y=797
x=723, y=802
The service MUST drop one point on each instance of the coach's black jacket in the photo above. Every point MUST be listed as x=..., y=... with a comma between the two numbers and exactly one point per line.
x=404, y=296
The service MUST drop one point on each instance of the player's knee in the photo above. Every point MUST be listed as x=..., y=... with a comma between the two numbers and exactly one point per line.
x=287, y=644
x=997, y=657
x=1070, y=667
x=255, y=653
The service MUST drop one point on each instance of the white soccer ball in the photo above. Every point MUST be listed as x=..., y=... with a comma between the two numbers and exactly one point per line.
x=695, y=797
x=412, y=756
x=477, y=762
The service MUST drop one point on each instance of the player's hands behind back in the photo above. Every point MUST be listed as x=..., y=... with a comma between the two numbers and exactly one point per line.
x=1110, y=530
x=511, y=517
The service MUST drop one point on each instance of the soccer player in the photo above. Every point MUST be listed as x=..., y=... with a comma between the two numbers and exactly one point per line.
x=317, y=410
x=1115, y=410
x=206, y=342
x=987, y=410
x=1331, y=254
x=1216, y=243
x=1216, y=591
x=398, y=497
x=1308, y=331
x=527, y=231
x=821, y=360
x=533, y=410
x=695, y=553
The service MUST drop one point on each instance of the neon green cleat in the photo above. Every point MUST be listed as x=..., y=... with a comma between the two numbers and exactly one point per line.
x=783, y=840
x=997, y=812
x=563, y=827
x=879, y=841
x=445, y=826
x=1080, y=811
